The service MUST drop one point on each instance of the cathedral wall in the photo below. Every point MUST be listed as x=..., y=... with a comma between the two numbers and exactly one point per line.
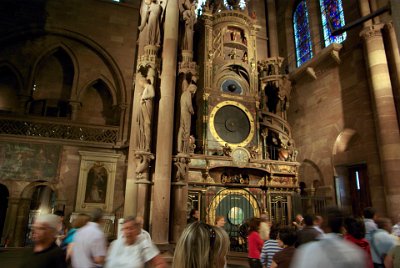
x=323, y=110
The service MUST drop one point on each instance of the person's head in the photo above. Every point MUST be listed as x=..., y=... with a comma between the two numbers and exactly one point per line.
x=273, y=233
x=384, y=224
x=355, y=227
x=333, y=222
x=44, y=229
x=195, y=213
x=308, y=220
x=286, y=237
x=80, y=220
x=97, y=214
x=254, y=225
x=220, y=221
x=299, y=218
x=264, y=217
x=318, y=220
x=369, y=213
x=202, y=246
x=131, y=229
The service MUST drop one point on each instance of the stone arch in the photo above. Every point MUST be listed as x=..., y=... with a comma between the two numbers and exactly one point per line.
x=27, y=192
x=310, y=172
x=343, y=142
x=86, y=41
x=103, y=79
x=59, y=49
x=48, y=52
x=104, y=112
x=11, y=86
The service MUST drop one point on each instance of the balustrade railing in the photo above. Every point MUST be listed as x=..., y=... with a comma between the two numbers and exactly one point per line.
x=58, y=130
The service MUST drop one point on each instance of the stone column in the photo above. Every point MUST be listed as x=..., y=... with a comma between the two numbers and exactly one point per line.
x=365, y=10
x=272, y=29
x=75, y=106
x=179, y=210
x=21, y=222
x=165, y=126
x=387, y=130
x=11, y=218
x=395, y=63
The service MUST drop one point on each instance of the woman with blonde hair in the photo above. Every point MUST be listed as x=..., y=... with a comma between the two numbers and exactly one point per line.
x=201, y=246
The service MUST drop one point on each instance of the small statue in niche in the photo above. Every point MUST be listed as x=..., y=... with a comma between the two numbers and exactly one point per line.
x=254, y=152
x=182, y=168
x=150, y=23
x=226, y=150
x=187, y=111
x=244, y=58
x=233, y=54
x=285, y=87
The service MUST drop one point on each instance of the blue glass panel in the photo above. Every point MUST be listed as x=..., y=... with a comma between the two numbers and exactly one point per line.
x=332, y=18
x=199, y=8
x=302, y=34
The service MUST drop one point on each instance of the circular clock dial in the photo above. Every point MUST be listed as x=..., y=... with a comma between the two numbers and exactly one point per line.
x=231, y=86
x=232, y=124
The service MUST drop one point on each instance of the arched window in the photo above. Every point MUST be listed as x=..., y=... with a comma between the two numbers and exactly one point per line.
x=200, y=4
x=302, y=35
x=332, y=18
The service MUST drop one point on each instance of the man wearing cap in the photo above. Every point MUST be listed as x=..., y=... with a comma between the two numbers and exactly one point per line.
x=89, y=249
x=45, y=254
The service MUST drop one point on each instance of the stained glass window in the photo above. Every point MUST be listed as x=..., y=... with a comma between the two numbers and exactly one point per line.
x=332, y=19
x=242, y=3
x=199, y=8
x=302, y=35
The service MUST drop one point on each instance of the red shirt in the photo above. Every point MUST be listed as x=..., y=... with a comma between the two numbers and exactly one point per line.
x=362, y=243
x=254, y=245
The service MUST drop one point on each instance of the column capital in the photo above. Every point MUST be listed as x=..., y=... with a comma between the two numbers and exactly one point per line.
x=372, y=31
x=389, y=25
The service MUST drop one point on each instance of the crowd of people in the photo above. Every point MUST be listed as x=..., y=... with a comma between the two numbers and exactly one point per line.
x=331, y=240
x=334, y=240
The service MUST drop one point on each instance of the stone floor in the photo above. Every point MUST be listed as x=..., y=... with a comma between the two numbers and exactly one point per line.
x=11, y=258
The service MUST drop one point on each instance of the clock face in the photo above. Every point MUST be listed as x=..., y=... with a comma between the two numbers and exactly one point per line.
x=232, y=123
x=240, y=156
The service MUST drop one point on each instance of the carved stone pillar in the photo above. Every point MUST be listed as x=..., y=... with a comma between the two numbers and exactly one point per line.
x=384, y=110
x=75, y=106
x=11, y=218
x=162, y=176
x=143, y=160
x=179, y=193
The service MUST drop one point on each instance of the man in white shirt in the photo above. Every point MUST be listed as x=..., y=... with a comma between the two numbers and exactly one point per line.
x=89, y=249
x=396, y=227
x=331, y=251
x=134, y=249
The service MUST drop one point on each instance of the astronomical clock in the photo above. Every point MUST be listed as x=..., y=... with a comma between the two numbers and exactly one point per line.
x=244, y=161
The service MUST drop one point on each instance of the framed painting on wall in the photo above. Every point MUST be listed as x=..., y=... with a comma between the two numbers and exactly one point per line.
x=96, y=181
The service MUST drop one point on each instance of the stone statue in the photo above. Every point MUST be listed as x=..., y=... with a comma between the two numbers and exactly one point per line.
x=186, y=115
x=285, y=87
x=146, y=110
x=226, y=150
x=182, y=169
x=150, y=23
x=142, y=163
x=189, y=17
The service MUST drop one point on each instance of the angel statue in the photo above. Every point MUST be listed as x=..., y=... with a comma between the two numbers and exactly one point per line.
x=151, y=14
x=188, y=11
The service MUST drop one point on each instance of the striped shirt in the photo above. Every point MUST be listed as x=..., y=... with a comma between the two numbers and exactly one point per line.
x=268, y=251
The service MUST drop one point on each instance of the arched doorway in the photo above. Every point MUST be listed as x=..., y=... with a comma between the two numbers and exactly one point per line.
x=42, y=202
x=4, y=194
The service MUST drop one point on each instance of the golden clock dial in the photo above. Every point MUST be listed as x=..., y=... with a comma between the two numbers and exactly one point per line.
x=232, y=123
